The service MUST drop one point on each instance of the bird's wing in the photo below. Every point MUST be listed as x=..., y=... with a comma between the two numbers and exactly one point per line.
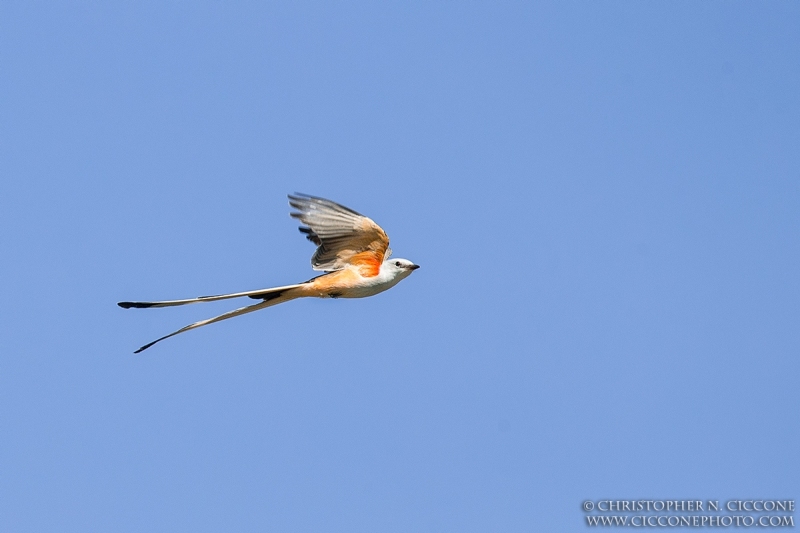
x=343, y=237
x=265, y=294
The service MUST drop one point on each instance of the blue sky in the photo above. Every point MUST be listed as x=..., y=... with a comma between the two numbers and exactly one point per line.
x=604, y=199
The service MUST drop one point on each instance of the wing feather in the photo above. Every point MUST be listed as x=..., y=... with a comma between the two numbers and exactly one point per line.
x=343, y=236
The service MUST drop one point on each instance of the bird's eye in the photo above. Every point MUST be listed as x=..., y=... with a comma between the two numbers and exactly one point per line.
x=397, y=263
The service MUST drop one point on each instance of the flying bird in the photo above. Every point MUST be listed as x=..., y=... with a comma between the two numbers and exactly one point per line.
x=351, y=248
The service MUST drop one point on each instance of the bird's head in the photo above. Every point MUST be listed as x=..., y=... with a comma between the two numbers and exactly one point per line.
x=400, y=267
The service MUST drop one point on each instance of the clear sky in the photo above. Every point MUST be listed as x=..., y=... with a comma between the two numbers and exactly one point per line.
x=604, y=198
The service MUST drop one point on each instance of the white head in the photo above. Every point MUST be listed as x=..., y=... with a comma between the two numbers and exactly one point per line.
x=399, y=268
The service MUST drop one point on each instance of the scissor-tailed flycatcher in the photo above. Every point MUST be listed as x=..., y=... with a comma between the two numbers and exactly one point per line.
x=351, y=248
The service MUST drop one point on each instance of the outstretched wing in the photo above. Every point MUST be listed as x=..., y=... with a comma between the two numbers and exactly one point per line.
x=343, y=237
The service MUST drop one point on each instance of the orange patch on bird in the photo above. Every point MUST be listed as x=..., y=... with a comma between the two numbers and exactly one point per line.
x=329, y=283
x=368, y=263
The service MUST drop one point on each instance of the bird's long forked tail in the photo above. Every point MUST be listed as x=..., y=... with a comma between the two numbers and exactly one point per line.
x=258, y=294
x=271, y=297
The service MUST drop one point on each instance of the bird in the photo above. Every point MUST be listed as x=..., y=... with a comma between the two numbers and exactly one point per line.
x=352, y=250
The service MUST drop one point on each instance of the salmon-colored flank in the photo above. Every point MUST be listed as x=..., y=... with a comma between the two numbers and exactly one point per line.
x=322, y=286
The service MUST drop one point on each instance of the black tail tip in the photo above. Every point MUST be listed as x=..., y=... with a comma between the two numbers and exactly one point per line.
x=139, y=305
x=146, y=346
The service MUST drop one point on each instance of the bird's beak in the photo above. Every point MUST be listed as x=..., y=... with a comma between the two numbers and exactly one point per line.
x=413, y=267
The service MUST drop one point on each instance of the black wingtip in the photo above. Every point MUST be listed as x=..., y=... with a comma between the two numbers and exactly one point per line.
x=310, y=235
x=138, y=305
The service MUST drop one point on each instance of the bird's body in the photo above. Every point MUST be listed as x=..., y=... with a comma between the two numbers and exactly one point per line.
x=352, y=283
x=351, y=248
